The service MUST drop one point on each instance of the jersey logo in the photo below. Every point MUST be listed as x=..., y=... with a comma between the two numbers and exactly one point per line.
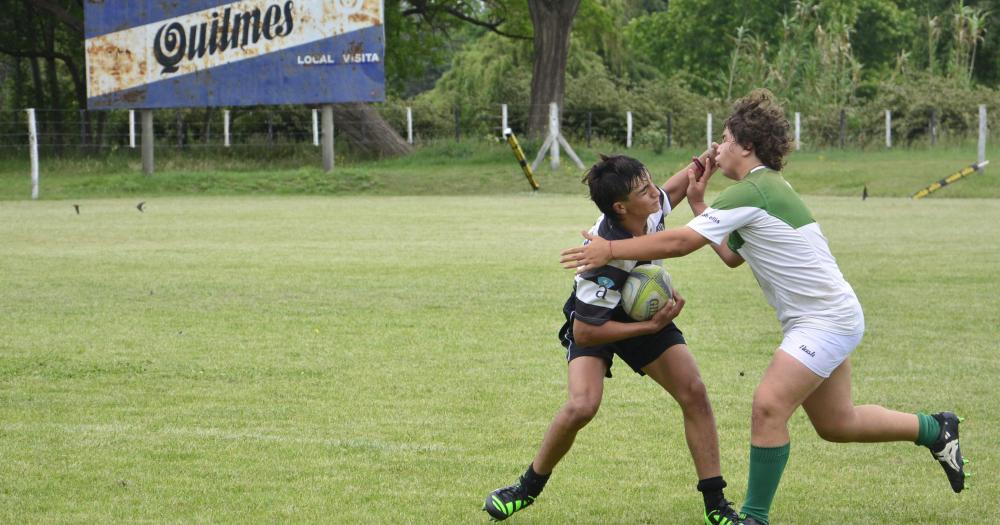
x=606, y=282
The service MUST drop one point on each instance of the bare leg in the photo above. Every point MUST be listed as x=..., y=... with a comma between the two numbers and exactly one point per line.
x=785, y=385
x=836, y=419
x=676, y=371
x=586, y=387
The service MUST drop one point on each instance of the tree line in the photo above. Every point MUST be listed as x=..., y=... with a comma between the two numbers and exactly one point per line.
x=658, y=57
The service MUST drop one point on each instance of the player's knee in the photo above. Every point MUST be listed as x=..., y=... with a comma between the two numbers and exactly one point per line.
x=580, y=411
x=693, y=396
x=835, y=430
x=767, y=408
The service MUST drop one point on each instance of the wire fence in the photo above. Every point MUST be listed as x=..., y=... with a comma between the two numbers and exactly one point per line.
x=267, y=130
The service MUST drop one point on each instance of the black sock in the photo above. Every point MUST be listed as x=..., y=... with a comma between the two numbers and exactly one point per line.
x=711, y=491
x=534, y=481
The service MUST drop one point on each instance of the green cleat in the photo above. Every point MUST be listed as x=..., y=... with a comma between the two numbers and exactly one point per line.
x=503, y=502
x=749, y=520
x=724, y=515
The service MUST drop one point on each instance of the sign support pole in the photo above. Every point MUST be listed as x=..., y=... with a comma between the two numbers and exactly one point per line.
x=328, y=137
x=146, y=115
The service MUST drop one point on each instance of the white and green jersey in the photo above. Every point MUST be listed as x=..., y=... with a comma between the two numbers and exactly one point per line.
x=771, y=228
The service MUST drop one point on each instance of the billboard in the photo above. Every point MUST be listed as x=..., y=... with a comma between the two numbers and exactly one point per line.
x=193, y=53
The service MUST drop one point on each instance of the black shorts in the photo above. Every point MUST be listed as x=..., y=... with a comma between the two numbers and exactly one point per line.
x=637, y=352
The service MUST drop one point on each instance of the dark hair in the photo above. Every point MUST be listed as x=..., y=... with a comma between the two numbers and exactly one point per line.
x=758, y=124
x=612, y=179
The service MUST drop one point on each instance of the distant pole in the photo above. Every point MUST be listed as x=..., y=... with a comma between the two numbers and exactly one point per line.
x=843, y=128
x=554, y=134
x=225, y=128
x=315, y=127
x=503, y=118
x=982, y=133
x=33, y=146
x=708, y=135
x=131, y=128
x=146, y=116
x=888, y=128
x=409, y=125
x=798, y=130
x=628, y=129
x=670, y=129
x=83, y=127
x=933, y=127
x=328, y=137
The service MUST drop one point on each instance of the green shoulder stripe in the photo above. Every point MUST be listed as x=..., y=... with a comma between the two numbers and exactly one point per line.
x=768, y=191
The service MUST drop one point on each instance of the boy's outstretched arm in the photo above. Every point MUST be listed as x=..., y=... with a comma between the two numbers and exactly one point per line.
x=675, y=242
x=586, y=334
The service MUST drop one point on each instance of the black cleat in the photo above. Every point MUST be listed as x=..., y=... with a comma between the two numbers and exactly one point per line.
x=723, y=515
x=947, y=452
x=501, y=503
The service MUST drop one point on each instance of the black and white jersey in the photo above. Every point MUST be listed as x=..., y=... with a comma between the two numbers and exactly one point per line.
x=597, y=293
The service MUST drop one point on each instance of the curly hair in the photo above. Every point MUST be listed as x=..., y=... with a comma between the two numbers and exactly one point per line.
x=612, y=179
x=758, y=124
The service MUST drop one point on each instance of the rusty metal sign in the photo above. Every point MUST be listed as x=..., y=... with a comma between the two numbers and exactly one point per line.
x=194, y=53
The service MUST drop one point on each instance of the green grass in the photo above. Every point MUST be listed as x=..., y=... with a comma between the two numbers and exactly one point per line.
x=449, y=168
x=392, y=360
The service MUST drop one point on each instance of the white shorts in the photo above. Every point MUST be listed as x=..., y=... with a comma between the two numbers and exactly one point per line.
x=822, y=352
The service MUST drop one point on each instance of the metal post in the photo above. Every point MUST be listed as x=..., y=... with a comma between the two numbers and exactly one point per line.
x=83, y=127
x=843, y=128
x=590, y=116
x=270, y=130
x=315, y=127
x=982, y=133
x=146, y=116
x=670, y=129
x=328, y=137
x=33, y=144
x=628, y=129
x=798, y=131
x=225, y=128
x=409, y=125
x=888, y=128
x=131, y=128
x=933, y=127
x=709, y=130
x=554, y=134
x=503, y=118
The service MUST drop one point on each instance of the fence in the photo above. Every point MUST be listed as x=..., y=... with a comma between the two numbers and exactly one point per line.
x=271, y=127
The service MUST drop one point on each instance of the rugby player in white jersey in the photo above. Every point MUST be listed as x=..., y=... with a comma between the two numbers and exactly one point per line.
x=761, y=220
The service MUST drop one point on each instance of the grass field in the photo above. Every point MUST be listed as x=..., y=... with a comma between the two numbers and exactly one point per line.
x=393, y=359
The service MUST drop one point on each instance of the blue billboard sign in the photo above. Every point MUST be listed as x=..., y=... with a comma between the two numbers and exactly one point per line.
x=196, y=53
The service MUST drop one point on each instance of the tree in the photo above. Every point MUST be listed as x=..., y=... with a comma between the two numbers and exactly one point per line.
x=552, y=21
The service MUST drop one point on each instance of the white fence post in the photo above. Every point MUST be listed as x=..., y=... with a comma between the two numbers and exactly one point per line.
x=503, y=118
x=409, y=125
x=554, y=133
x=33, y=143
x=708, y=126
x=798, y=131
x=225, y=128
x=131, y=128
x=888, y=128
x=982, y=133
x=628, y=129
x=315, y=127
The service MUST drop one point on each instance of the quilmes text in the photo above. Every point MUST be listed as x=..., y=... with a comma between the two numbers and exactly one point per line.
x=174, y=43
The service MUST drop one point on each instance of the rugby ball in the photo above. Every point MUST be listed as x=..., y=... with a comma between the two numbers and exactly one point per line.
x=647, y=290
